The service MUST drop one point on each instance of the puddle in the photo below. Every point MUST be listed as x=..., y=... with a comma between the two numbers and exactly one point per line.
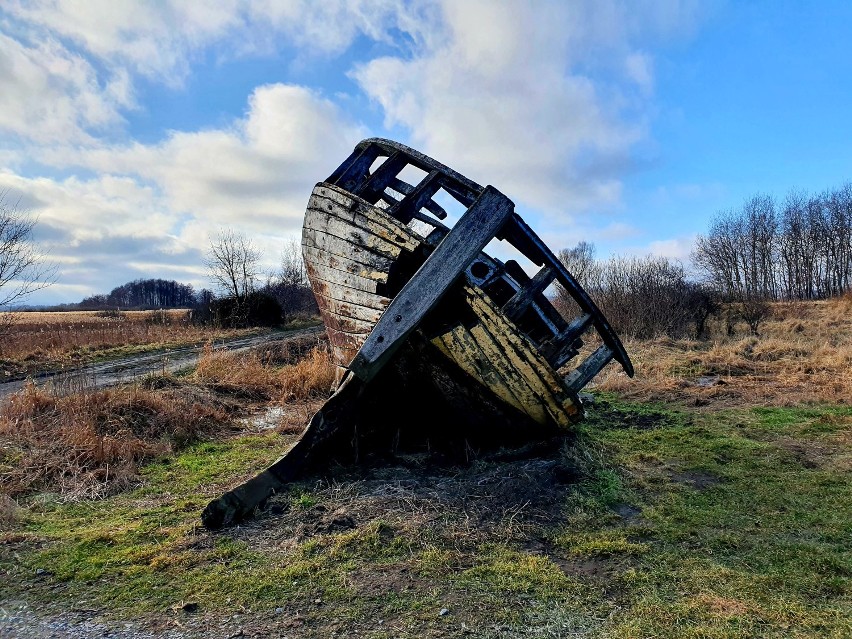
x=268, y=419
x=708, y=381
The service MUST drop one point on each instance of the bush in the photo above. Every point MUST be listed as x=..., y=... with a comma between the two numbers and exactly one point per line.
x=256, y=309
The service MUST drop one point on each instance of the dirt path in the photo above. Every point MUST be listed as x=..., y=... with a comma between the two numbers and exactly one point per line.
x=126, y=369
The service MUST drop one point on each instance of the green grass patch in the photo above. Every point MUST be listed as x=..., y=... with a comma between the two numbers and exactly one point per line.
x=680, y=523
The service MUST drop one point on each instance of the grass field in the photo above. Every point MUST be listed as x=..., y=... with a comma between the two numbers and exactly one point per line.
x=37, y=341
x=679, y=510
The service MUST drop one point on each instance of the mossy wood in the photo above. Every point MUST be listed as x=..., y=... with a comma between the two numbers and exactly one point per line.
x=419, y=315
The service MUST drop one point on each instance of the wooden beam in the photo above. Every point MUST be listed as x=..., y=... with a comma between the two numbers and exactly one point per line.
x=417, y=199
x=356, y=168
x=563, y=347
x=519, y=303
x=590, y=367
x=433, y=207
x=455, y=252
x=375, y=185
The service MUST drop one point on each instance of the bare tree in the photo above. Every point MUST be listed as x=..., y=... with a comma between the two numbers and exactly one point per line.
x=233, y=264
x=23, y=270
x=293, y=271
x=290, y=285
x=580, y=262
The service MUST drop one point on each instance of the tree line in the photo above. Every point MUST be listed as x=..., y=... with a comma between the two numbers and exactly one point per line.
x=800, y=249
x=143, y=294
x=642, y=297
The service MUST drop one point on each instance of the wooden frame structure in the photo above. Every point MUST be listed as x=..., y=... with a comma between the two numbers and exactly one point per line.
x=398, y=286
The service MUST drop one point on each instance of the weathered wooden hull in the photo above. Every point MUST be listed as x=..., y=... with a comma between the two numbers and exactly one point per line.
x=351, y=247
x=437, y=343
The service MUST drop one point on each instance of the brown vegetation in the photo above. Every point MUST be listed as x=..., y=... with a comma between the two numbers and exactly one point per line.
x=307, y=372
x=90, y=444
x=803, y=354
x=40, y=340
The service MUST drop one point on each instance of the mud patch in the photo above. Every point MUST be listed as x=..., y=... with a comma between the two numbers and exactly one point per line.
x=829, y=453
x=381, y=580
x=696, y=479
x=607, y=416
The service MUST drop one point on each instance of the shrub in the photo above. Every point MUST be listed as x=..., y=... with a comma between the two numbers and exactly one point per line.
x=256, y=309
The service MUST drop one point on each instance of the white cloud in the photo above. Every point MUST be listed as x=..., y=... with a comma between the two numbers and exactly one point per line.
x=506, y=93
x=161, y=39
x=678, y=248
x=155, y=39
x=50, y=94
x=159, y=204
x=255, y=174
x=545, y=103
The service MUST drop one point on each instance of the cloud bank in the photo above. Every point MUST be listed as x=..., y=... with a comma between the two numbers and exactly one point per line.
x=547, y=104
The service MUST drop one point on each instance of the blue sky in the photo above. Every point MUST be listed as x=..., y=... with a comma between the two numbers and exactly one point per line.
x=135, y=131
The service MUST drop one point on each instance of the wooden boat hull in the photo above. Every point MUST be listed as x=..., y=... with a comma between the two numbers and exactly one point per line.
x=435, y=340
x=351, y=247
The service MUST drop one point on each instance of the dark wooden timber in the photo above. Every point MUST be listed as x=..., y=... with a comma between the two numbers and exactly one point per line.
x=452, y=256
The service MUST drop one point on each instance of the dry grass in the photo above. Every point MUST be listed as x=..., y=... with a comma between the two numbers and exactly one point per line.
x=803, y=354
x=90, y=444
x=311, y=378
x=308, y=371
x=40, y=340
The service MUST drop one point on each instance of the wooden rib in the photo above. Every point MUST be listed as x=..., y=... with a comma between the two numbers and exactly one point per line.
x=526, y=295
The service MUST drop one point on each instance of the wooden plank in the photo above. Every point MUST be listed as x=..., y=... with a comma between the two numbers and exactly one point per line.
x=340, y=247
x=465, y=351
x=346, y=295
x=562, y=407
x=324, y=223
x=333, y=276
x=519, y=303
x=355, y=311
x=377, y=271
x=333, y=317
x=350, y=209
x=345, y=345
x=476, y=352
x=458, y=249
x=366, y=218
x=590, y=367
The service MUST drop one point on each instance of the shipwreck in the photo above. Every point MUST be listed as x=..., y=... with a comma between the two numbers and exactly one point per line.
x=435, y=340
